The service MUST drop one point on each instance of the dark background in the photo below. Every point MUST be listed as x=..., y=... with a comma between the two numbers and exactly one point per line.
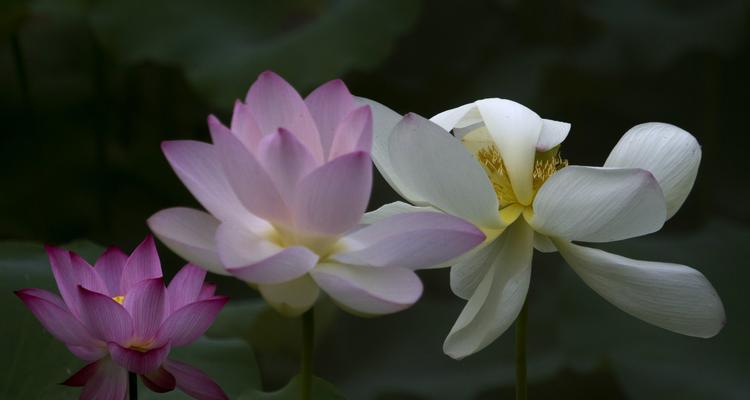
x=89, y=89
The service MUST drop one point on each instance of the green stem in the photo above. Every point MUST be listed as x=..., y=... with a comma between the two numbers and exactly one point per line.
x=521, y=389
x=133, y=386
x=308, y=338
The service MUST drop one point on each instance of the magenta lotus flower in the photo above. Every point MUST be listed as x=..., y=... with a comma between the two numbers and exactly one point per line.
x=119, y=316
x=286, y=186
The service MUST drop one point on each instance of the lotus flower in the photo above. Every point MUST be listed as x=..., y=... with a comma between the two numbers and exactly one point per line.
x=285, y=186
x=502, y=170
x=119, y=317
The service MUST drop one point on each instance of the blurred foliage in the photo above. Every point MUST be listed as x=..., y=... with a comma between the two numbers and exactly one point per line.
x=321, y=390
x=88, y=90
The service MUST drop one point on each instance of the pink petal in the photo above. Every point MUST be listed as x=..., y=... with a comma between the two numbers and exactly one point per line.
x=159, y=381
x=354, y=133
x=328, y=105
x=104, y=318
x=207, y=291
x=55, y=317
x=275, y=104
x=147, y=304
x=109, y=382
x=109, y=266
x=332, y=198
x=413, y=240
x=142, y=264
x=68, y=276
x=369, y=290
x=199, y=168
x=83, y=375
x=289, y=263
x=87, y=275
x=252, y=184
x=186, y=286
x=286, y=160
x=194, y=382
x=189, y=233
x=89, y=353
x=244, y=126
x=140, y=362
x=190, y=322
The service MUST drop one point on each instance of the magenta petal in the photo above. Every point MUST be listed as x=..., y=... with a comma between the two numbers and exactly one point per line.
x=109, y=382
x=140, y=362
x=275, y=104
x=147, y=304
x=194, y=382
x=142, y=264
x=186, y=286
x=328, y=105
x=286, y=265
x=104, y=318
x=286, y=160
x=333, y=197
x=354, y=133
x=251, y=183
x=69, y=275
x=55, y=317
x=189, y=322
x=87, y=275
x=244, y=126
x=413, y=240
x=109, y=266
x=83, y=375
x=159, y=381
x=207, y=291
x=199, y=168
x=89, y=353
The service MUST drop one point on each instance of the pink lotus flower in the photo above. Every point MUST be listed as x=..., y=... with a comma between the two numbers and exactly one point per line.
x=286, y=186
x=119, y=316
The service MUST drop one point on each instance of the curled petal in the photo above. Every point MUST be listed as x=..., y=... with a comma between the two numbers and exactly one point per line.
x=552, y=134
x=671, y=154
x=159, y=381
x=83, y=375
x=671, y=296
x=140, y=362
x=186, y=286
x=391, y=209
x=599, y=204
x=413, y=241
x=291, y=298
x=369, y=290
x=194, y=382
x=191, y=234
x=109, y=382
x=499, y=297
x=189, y=322
x=70, y=275
x=441, y=172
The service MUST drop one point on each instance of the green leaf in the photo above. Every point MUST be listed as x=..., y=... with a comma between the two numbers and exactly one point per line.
x=35, y=363
x=321, y=390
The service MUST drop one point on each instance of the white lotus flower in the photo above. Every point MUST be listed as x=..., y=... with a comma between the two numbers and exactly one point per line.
x=501, y=170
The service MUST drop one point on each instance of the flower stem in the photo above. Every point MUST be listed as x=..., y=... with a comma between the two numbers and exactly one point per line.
x=521, y=390
x=308, y=337
x=133, y=385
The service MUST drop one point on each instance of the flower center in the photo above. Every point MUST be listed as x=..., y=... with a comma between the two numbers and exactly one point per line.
x=119, y=299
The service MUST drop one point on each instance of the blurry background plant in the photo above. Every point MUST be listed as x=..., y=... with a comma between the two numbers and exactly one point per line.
x=90, y=89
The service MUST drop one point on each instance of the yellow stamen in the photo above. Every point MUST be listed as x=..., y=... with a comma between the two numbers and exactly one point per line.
x=119, y=299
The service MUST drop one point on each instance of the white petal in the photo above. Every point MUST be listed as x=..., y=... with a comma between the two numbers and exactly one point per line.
x=413, y=241
x=436, y=166
x=191, y=234
x=383, y=121
x=291, y=298
x=668, y=152
x=369, y=290
x=543, y=243
x=498, y=298
x=458, y=117
x=468, y=272
x=390, y=209
x=552, y=134
x=671, y=296
x=239, y=246
x=599, y=204
x=516, y=130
